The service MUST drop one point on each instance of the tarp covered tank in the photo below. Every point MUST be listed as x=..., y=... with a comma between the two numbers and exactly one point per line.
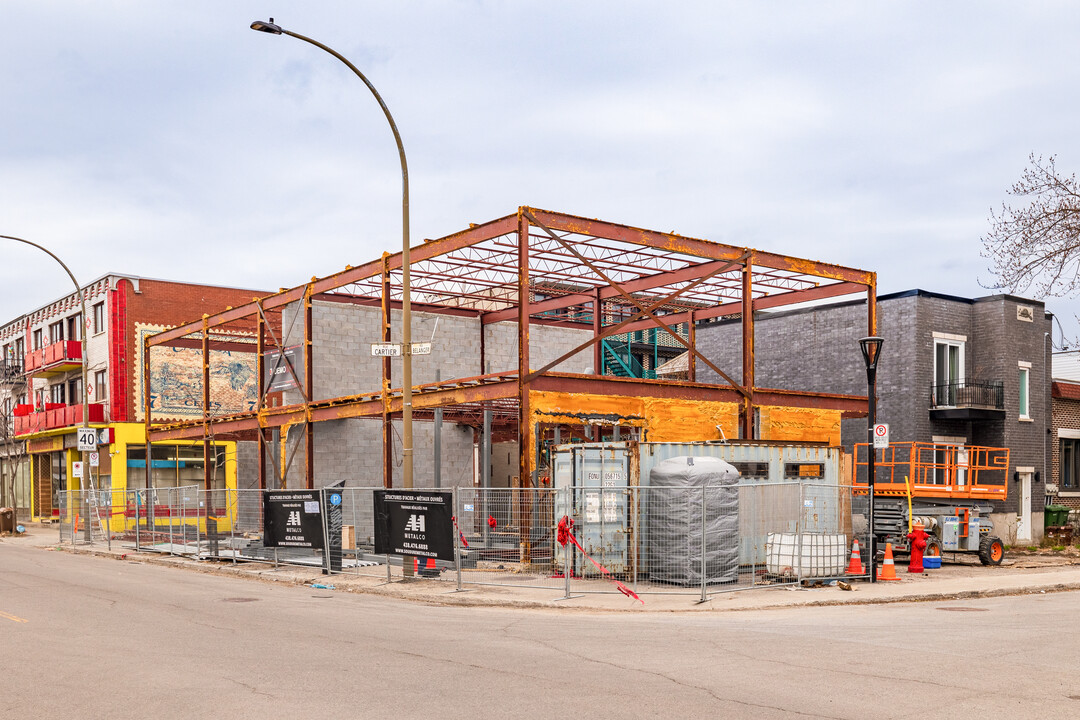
x=688, y=499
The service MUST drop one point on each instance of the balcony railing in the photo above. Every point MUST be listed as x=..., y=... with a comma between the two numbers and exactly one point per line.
x=988, y=395
x=59, y=356
x=11, y=370
x=57, y=416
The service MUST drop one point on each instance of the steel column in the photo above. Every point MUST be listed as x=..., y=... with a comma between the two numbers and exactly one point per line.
x=207, y=477
x=748, y=350
x=309, y=375
x=387, y=427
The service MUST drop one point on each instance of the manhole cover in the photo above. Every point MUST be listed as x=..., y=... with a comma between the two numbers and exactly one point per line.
x=240, y=599
x=963, y=609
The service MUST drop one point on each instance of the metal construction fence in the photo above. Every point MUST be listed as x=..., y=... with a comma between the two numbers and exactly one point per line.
x=693, y=540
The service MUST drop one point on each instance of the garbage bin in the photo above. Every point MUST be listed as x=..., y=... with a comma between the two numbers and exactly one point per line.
x=7, y=520
x=1055, y=516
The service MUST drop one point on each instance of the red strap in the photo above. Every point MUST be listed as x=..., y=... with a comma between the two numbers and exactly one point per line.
x=460, y=535
x=565, y=534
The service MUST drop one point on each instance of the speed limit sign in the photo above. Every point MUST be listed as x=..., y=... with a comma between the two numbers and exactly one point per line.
x=881, y=436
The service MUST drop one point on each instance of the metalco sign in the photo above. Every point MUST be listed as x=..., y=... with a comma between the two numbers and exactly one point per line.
x=293, y=518
x=414, y=523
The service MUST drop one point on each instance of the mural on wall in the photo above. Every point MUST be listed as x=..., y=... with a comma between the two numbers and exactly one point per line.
x=176, y=379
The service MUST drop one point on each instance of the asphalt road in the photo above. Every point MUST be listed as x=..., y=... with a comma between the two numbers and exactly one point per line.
x=86, y=637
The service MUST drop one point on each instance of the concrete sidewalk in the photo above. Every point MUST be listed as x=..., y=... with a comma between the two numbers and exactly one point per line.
x=963, y=578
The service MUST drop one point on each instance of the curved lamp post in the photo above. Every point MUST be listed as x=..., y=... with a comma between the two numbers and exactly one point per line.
x=82, y=336
x=871, y=352
x=406, y=306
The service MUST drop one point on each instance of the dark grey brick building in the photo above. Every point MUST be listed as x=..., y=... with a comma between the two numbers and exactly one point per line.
x=952, y=370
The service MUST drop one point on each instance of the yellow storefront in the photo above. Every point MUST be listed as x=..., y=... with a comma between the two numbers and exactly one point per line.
x=176, y=483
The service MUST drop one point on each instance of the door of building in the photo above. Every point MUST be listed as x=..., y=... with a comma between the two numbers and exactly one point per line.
x=1023, y=511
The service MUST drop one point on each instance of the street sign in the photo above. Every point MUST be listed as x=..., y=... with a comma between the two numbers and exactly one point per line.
x=87, y=439
x=76, y=469
x=95, y=460
x=881, y=436
x=421, y=348
x=385, y=350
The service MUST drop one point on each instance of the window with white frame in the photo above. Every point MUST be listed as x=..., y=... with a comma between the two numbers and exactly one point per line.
x=99, y=317
x=1023, y=386
x=1069, y=459
x=948, y=367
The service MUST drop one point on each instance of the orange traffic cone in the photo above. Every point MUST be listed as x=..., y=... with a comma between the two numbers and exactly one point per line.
x=855, y=567
x=429, y=569
x=888, y=569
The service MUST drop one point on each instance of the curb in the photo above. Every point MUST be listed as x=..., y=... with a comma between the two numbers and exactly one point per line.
x=453, y=598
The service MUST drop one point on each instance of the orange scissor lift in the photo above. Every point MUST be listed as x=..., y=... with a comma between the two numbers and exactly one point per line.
x=948, y=488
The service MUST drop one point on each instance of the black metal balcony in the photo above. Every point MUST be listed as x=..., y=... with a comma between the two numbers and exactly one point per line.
x=968, y=400
x=11, y=370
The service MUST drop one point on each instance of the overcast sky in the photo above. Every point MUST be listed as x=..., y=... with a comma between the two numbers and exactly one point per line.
x=166, y=139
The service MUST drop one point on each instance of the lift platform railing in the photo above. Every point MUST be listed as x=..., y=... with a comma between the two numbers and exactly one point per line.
x=935, y=470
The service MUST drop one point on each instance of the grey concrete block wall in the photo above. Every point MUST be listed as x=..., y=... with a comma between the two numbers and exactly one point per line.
x=343, y=365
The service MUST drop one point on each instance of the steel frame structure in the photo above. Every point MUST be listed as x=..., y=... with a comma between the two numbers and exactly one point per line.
x=532, y=267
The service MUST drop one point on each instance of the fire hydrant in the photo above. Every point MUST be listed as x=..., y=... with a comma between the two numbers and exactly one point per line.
x=918, y=537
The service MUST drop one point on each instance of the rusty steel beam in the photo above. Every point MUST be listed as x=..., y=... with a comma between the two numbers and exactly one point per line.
x=762, y=303
x=646, y=310
x=360, y=406
x=695, y=247
x=674, y=390
x=387, y=373
x=650, y=282
x=747, y=322
x=430, y=249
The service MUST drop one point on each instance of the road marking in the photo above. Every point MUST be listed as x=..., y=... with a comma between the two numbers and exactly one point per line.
x=12, y=618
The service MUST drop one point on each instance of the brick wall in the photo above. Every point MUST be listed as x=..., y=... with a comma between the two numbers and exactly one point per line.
x=159, y=302
x=1066, y=415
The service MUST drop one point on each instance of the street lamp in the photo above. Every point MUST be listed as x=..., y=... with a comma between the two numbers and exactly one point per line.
x=406, y=307
x=85, y=388
x=871, y=352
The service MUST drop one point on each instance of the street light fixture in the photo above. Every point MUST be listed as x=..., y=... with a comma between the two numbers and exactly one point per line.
x=272, y=28
x=85, y=387
x=871, y=352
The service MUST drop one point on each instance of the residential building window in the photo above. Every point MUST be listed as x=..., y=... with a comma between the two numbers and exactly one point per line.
x=56, y=332
x=75, y=391
x=1025, y=413
x=20, y=348
x=1069, y=464
x=99, y=318
x=57, y=393
x=99, y=386
x=36, y=339
x=39, y=398
x=948, y=370
x=74, y=327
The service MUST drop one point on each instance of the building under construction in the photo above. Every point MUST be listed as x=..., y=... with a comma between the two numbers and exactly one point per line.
x=519, y=313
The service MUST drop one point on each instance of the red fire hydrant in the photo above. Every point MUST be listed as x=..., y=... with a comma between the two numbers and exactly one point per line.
x=917, y=536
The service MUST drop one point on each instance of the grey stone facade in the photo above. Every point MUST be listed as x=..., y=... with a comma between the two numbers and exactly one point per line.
x=817, y=349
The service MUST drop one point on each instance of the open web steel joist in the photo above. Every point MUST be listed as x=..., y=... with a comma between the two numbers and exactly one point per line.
x=534, y=270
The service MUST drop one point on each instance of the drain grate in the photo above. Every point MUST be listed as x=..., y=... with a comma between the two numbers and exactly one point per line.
x=963, y=609
x=239, y=599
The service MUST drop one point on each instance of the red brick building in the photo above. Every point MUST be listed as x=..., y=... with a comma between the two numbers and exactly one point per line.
x=42, y=393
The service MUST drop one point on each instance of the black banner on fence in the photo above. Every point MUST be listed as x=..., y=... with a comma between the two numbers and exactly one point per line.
x=332, y=504
x=292, y=518
x=414, y=523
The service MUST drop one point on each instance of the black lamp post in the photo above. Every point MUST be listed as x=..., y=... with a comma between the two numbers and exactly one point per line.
x=871, y=351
